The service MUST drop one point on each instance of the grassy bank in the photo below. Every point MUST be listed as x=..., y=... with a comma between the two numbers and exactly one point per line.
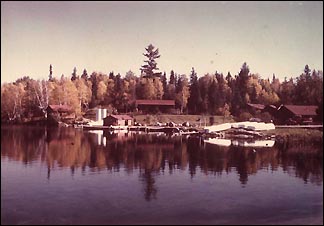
x=179, y=119
x=298, y=134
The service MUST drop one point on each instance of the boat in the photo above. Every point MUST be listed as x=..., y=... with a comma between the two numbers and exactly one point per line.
x=247, y=125
x=256, y=126
x=217, y=128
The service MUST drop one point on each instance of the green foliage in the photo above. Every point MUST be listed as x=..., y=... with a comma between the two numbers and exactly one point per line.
x=74, y=74
x=148, y=69
x=209, y=94
x=84, y=74
x=195, y=100
x=244, y=116
x=182, y=93
x=319, y=111
x=50, y=76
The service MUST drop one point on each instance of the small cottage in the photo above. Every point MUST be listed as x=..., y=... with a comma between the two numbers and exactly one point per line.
x=286, y=112
x=118, y=120
x=59, y=113
x=155, y=105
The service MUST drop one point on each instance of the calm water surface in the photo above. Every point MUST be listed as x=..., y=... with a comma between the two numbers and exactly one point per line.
x=69, y=176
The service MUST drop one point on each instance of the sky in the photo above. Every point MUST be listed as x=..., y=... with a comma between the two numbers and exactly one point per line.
x=271, y=37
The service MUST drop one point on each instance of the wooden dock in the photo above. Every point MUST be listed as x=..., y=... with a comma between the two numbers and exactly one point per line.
x=148, y=129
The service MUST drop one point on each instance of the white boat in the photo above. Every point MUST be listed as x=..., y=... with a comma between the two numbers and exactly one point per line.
x=253, y=125
x=257, y=126
x=217, y=128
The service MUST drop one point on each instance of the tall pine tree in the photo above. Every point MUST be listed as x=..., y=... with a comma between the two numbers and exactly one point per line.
x=195, y=99
x=148, y=69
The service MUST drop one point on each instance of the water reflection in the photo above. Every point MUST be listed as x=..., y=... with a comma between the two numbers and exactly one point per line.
x=153, y=154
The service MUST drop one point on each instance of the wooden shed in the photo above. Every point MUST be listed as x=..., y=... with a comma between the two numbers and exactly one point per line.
x=155, y=105
x=59, y=113
x=286, y=112
x=260, y=108
x=118, y=120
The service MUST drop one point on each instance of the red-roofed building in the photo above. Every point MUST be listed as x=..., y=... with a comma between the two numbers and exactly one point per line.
x=286, y=112
x=118, y=120
x=155, y=105
x=59, y=113
x=60, y=108
x=260, y=108
x=256, y=106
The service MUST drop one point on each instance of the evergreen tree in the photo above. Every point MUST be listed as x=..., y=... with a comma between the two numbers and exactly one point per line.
x=229, y=79
x=94, y=88
x=172, y=78
x=213, y=97
x=307, y=70
x=240, y=92
x=148, y=69
x=195, y=100
x=164, y=84
x=112, y=76
x=84, y=74
x=74, y=74
x=50, y=77
x=286, y=91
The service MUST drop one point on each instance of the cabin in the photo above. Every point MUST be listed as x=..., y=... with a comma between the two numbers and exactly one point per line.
x=296, y=114
x=271, y=109
x=260, y=108
x=118, y=120
x=60, y=113
x=149, y=106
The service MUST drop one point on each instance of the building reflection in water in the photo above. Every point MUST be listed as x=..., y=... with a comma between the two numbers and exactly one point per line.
x=152, y=154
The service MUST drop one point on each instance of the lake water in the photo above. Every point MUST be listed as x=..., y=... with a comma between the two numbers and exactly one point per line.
x=70, y=176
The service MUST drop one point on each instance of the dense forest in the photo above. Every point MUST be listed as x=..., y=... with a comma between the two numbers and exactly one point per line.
x=214, y=94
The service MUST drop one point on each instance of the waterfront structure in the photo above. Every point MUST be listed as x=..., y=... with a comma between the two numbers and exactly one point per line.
x=59, y=113
x=261, y=108
x=155, y=105
x=118, y=120
x=296, y=113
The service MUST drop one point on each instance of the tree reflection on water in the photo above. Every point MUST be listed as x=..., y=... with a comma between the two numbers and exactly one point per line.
x=152, y=154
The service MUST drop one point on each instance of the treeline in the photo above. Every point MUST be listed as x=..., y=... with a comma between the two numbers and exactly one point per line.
x=214, y=94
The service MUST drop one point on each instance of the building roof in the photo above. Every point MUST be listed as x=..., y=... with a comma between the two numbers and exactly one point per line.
x=257, y=106
x=301, y=109
x=60, y=107
x=156, y=102
x=271, y=106
x=121, y=117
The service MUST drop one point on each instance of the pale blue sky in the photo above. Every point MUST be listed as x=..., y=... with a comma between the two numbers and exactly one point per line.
x=272, y=37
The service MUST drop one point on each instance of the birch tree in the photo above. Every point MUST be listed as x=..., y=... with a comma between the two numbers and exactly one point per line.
x=42, y=95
